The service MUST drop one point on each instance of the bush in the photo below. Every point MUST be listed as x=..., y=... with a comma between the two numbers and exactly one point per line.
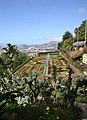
x=81, y=98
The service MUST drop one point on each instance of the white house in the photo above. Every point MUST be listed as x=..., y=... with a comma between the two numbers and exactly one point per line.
x=85, y=58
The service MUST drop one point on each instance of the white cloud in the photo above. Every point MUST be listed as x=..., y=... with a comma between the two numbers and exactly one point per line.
x=82, y=10
x=55, y=38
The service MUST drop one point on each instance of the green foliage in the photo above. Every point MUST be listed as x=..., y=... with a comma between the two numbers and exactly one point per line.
x=19, y=95
x=80, y=31
x=54, y=72
x=81, y=98
x=59, y=46
x=11, y=60
x=68, y=93
x=7, y=59
x=67, y=35
x=80, y=35
x=82, y=82
x=67, y=42
x=21, y=59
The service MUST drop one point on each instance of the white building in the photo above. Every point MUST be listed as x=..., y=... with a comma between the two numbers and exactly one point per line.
x=85, y=58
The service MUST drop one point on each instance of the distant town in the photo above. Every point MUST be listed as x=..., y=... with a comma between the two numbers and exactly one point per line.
x=31, y=50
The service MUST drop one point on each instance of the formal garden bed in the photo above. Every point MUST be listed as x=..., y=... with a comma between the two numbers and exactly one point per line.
x=39, y=66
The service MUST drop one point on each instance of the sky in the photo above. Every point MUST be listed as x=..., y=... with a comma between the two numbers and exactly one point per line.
x=39, y=21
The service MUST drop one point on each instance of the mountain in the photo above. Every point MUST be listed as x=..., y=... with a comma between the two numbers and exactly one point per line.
x=2, y=45
x=34, y=49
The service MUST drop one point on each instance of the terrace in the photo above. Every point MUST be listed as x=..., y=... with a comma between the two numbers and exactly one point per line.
x=42, y=65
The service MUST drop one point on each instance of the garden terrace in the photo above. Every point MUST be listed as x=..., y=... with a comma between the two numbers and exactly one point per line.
x=42, y=65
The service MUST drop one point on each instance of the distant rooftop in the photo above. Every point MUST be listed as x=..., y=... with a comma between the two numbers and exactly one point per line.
x=79, y=43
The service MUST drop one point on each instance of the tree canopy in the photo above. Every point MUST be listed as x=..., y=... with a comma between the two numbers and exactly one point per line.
x=67, y=35
x=81, y=31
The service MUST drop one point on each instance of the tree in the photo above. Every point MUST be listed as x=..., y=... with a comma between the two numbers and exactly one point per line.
x=9, y=56
x=68, y=43
x=67, y=35
x=80, y=31
x=59, y=45
x=21, y=58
